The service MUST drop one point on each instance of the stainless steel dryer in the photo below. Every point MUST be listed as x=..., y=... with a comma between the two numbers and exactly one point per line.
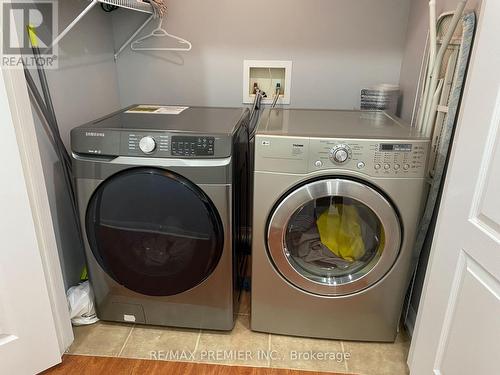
x=162, y=210
x=338, y=196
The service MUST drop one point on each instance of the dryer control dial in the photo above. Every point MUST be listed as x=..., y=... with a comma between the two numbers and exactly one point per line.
x=340, y=154
x=147, y=145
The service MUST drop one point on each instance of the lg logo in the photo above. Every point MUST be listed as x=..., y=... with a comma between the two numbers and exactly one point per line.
x=27, y=23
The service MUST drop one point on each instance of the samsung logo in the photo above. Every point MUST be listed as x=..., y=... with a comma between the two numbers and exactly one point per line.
x=94, y=134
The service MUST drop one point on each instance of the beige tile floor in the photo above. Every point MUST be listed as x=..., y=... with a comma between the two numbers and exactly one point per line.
x=241, y=347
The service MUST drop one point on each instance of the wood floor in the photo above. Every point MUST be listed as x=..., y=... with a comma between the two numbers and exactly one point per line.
x=83, y=365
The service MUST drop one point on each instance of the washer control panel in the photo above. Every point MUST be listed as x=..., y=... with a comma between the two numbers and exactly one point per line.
x=171, y=145
x=192, y=146
x=373, y=157
x=147, y=144
x=143, y=144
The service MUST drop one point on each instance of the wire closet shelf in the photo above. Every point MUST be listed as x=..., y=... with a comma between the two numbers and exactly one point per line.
x=135, y=5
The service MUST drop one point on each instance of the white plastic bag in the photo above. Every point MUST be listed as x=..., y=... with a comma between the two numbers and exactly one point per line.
x=81, y=304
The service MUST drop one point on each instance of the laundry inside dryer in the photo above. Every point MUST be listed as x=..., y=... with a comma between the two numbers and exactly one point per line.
x=332, y=237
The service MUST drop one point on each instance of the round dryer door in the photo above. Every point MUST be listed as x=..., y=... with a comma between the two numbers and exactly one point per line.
x=334, y=237
x=154, y=231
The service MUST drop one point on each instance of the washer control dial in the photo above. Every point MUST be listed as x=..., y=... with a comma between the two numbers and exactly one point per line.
x=340, y=154
x=147, y=145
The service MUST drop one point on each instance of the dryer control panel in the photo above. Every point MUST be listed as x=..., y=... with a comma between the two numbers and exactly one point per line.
x=192, y=146
x=151, y=144
x=376, y=158
x=373, y=157
x=171, y=145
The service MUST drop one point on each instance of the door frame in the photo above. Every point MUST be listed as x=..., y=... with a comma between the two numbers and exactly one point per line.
x=24, y=127
x=453, y=259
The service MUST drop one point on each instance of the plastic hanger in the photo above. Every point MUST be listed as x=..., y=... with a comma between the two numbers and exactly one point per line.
x=159, y=32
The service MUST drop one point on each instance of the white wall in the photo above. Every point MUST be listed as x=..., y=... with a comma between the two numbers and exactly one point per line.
x=337, y=48
x=84, y=87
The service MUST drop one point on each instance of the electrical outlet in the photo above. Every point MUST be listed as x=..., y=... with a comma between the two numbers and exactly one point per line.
x=266, y=75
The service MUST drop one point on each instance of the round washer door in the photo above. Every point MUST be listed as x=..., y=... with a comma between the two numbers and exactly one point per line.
x=154, y=231
x=334, y=237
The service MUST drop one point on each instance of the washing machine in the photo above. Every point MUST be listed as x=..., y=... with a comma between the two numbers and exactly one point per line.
x=161, y=199
x=338, y=197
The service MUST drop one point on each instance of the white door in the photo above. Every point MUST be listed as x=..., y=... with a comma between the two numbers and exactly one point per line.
x=458, y=323
x=28, y=341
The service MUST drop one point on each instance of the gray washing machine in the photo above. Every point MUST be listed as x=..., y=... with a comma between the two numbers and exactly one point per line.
x=338, y=197
x=162, y=206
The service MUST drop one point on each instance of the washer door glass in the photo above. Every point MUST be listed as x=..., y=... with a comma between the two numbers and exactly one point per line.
x=154, y=231
x=334, y=237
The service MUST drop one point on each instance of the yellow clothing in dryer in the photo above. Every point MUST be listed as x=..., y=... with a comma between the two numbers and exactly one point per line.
x=340, y=231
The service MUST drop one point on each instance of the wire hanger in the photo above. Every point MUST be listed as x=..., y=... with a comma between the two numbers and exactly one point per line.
x=158, y=32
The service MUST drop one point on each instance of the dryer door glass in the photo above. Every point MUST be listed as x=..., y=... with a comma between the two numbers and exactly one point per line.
x=334, y=237
x=154, y=231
